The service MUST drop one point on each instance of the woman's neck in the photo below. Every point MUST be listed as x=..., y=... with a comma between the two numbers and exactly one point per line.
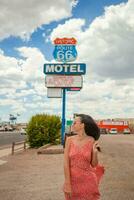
x=82, y=136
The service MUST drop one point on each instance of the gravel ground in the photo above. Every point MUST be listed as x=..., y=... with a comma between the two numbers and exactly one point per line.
x=29, y=176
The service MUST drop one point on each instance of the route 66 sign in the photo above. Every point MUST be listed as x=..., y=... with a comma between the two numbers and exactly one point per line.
x=65, y=50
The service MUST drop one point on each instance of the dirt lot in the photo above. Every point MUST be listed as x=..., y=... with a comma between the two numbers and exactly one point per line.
x=29, y=176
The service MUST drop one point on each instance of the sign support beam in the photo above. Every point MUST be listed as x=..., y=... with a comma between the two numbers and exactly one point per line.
x=63, y=115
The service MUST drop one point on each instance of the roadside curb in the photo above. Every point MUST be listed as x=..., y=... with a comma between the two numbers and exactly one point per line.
x=50, y=149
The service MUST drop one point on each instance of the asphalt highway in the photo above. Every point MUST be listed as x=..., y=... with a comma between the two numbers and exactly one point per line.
x=6, y=138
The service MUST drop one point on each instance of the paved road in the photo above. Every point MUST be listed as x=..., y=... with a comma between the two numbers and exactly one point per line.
x=30, y=176
x=6, y=138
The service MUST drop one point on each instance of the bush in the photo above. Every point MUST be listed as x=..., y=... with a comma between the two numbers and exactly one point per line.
x=43, y=129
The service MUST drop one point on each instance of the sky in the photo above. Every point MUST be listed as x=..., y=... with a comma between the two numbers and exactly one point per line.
x=104, y=30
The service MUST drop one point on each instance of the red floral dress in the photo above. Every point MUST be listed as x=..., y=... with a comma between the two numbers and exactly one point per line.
x=84, y=178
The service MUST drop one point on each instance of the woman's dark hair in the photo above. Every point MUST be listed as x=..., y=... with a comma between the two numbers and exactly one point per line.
x=91, y=128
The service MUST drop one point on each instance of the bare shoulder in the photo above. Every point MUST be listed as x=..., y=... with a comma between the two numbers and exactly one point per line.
x=91, y=139
x=69, y=139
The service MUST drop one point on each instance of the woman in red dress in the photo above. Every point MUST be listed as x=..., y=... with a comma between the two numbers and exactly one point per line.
x=81, y=169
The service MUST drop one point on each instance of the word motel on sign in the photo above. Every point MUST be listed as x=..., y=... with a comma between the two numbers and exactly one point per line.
x=64, y=68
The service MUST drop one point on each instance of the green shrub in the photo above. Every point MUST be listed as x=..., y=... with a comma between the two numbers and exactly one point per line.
x=43, y=129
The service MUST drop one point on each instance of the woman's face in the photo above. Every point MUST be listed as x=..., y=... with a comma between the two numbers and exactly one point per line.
x=77, y=126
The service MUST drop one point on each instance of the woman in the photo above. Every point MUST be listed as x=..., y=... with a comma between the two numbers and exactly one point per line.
x=81, y=169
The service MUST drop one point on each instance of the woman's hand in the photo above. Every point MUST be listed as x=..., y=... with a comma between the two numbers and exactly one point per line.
x=67, y=188
x=96, y=147
x=94, y=160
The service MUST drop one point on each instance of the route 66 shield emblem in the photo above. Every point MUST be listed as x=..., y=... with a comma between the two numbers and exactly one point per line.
x=65, y=53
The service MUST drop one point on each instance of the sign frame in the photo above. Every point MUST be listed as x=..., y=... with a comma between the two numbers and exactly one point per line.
x=51, y=92
x=66, y=81
x=65, y=68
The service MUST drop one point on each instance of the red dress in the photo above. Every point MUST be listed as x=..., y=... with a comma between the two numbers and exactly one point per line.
x=84, y=178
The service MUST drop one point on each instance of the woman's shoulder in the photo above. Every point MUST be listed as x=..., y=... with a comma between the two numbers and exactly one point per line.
x=90, y=138
x=71, y=138
x=74, y=138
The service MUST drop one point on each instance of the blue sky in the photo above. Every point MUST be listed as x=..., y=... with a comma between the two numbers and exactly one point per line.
x=104, y=32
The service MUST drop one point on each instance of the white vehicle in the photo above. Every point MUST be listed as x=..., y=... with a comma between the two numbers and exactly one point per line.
x=113, y=131
x=22, y=131
x=2, y=128
x=126, y=131
x=8, y=128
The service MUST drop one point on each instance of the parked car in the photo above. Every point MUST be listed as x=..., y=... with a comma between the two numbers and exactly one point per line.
x=2, y=128
x=126, y=131
x=8, y=128
x=113, y=131
x=103, y=131
x=22, y=131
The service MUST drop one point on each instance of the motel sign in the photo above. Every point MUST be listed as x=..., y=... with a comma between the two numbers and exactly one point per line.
x=65, y=75
x=66, y=69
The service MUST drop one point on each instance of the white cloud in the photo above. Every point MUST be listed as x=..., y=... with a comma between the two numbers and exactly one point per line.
x=71, y=28
x=10, y=75
x=32, y=66
x=74, y=3
x=105, y=99
x=107, y=44
x=17, y=86
x=26, y=17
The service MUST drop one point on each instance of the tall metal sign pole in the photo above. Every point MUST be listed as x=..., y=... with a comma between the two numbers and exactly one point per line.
x=63, y=115
x=64, y=76
x=65, y=51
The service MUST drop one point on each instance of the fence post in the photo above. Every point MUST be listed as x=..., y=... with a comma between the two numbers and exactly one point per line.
x=18, y=143
x=13, y=144
x=24, y=145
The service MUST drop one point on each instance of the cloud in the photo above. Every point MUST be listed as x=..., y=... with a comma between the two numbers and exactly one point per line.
x=107, y=44
x=74, y=3
x=105, y=99
x=32, y=63
x=26, y=17
x=19, y=85
x=10, y=74
x=22, y=85
x=112, y=36
x=17, y=73
x=71, y=28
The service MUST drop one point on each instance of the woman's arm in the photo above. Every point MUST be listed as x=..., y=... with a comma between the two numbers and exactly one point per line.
x=67, y=184
x=94, y=160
